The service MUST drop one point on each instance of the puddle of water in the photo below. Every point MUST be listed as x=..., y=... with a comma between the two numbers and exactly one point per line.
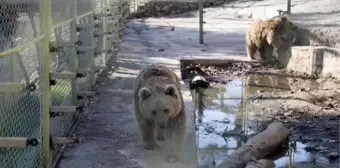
x=223, y=111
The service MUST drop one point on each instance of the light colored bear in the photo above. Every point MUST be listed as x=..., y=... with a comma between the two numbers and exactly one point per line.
x=263, y=36
x=159, y=108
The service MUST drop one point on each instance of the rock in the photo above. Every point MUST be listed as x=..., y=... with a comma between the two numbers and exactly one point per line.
x=157, y=8
x=288, y=114
x=324, y=151
x=322, y=160
x=329, y=106
x=302, y=90
x=260, y=91
x=311, y=147
x=312, y=126
x=333, y=155
x=166, y=8
x=320, y=148
x=329, y=140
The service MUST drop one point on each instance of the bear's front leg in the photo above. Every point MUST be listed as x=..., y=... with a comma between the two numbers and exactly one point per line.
x=160, y=135
x=263, y=53
x=148, y=132
x=269, y=52
x=177, y=143
x=251, y=50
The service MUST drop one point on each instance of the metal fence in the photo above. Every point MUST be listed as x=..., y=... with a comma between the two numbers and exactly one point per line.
x=136, y=4
x=50, y=53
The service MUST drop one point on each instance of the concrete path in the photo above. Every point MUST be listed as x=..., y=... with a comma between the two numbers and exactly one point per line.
x=111, y=139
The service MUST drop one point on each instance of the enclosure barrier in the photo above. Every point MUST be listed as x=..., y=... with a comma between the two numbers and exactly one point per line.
x=50, y=53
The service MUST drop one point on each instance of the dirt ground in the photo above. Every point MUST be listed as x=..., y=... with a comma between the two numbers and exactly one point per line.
x=310, y=108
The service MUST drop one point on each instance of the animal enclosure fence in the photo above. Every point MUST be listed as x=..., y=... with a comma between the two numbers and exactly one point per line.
x=50, y=53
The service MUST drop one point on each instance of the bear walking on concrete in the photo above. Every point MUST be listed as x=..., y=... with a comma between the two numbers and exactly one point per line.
x=159, y=108
x=263, y=36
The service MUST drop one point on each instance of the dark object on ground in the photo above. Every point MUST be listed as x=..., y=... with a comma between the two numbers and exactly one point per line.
x=198, y=82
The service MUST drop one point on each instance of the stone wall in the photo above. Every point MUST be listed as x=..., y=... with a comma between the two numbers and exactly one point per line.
x=317, y=33
x=315, y=52
x=312, y=60
x=165, y=8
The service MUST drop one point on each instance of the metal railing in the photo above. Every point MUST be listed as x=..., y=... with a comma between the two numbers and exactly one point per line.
x=50, y=53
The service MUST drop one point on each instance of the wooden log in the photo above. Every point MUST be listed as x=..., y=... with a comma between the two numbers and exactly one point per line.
x=263, y=163
x=257, y=147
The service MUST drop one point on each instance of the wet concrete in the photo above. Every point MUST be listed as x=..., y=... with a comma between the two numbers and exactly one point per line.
x=109, y=132
x=110, y=137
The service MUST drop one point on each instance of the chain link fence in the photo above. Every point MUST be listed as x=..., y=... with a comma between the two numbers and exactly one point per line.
x=50, y=53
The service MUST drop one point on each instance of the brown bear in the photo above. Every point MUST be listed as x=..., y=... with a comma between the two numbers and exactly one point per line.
x=159, y=108
x=263, y=36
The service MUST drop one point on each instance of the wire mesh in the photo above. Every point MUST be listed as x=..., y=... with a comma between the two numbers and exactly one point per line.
x=84, y=6
x=114, y=24
x=61, y=91
x=85, y=57
x=20, y=23
x=99, y=39
x=20, y=112
x=61, y=10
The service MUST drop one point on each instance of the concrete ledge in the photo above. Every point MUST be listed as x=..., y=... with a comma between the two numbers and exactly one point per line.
x=312, y=60
x=317, y=36
x=217, y=62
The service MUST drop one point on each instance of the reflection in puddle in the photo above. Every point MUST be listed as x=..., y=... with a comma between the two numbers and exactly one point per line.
x=299, y=155
x=221, y=111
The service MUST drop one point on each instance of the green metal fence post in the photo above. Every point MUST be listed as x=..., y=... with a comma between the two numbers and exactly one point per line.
x=200, y=8
x=105, y=29
x=110, y=27
x=92, y=63
x=46, y=88
x=289, y=5
x=74, y=56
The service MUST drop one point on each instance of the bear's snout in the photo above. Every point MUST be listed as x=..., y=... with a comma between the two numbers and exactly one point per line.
x=162, y=126
x=294, y=27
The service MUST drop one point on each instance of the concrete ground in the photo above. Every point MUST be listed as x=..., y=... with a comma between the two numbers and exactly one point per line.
x=109, y=130
x=111, y=137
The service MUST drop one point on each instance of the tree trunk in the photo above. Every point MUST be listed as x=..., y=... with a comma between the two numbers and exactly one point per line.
x=257, y=147
x=263, y=163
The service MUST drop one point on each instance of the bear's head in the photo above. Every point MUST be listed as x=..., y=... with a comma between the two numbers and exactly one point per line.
x=160, y=105
x=286, y=24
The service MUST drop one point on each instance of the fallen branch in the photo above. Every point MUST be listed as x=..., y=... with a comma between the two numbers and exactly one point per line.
x=257, y=147
x=263, y=163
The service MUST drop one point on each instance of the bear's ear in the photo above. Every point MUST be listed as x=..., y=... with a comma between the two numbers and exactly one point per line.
x=171, y=90
x=283, y=19
x=144, y=93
